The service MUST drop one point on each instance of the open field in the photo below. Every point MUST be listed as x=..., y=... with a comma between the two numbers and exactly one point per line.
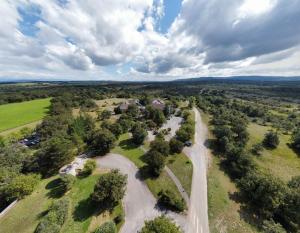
x=83, y=215
x=20, y=114
x=225, y=214
x=282, y=162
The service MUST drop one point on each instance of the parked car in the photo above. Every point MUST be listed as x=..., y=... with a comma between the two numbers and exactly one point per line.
x=188, y=143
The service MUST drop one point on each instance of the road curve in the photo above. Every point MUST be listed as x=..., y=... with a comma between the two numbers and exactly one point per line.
x=198, y=153
x=139, y=203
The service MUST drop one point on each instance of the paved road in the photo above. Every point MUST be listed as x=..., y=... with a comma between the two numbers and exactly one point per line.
x=139, y=203
x=198, y=153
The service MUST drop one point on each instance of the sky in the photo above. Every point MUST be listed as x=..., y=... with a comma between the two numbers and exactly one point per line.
x=148, y=39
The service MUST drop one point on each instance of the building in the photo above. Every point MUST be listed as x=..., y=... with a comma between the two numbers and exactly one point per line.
x=158, y=104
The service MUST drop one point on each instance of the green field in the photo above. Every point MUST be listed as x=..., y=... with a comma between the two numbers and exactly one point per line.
x=83, y=217
x=19, y=114
x=282, y=162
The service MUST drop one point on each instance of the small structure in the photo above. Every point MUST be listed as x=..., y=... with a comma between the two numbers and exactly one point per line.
x=74, y=167
x=125, y=105
x=158, y=104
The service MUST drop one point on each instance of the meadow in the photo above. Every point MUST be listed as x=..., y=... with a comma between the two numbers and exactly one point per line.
x=20, y=114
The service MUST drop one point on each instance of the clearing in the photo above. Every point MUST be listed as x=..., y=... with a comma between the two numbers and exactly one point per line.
x=19, y=114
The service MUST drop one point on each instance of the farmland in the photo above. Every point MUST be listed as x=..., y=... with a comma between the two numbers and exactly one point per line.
x=20, y=114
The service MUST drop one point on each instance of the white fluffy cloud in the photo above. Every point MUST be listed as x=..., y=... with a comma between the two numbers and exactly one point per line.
x=80, y=38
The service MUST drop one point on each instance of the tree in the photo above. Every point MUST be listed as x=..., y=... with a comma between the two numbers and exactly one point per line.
x=2, y=142
x=160, y=225
x=170, y=200
x=264, y=192
x=105, y=115
x=101, y=141
x=160, y=145
x=156, y=162
x=88, y=168
x=54, y=153
x=115, y=128
x=176, y=146
x=156, y=115
x=82, y=126
x=296, y=140
x=272, y=227
x=138, y=134
x=110, y=189
x=108, y=227
x=21, y=186
x=257, y=149
x=66, y=182
x=271, y=140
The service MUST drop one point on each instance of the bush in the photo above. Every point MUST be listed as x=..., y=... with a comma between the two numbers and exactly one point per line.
x=21, y=186
x=119, y=218
x=271, y=140
x=66, y=182
x=110, y=189
x=169, y=200
x=108, y=227
x=272, y=227
x=88, y=168
x=296, y=140
x=55, y=218
x=160, y=225
x=257, y=149
x=176, y=146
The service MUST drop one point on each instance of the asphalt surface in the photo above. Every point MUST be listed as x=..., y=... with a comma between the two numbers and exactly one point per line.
x=198, y=153
x=139, y=203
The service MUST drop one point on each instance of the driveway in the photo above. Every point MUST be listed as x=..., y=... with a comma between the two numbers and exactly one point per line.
x=139, y=203
x=198, y=153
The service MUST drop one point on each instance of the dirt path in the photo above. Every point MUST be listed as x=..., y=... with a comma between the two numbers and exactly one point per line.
x=198, y=153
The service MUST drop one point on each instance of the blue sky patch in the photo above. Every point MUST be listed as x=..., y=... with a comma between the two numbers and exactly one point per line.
x=172, y=9
x=29, y=17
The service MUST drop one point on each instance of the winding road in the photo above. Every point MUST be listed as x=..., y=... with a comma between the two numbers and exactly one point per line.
x=141, y=205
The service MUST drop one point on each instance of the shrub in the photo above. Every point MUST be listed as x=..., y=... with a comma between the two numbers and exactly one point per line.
x=21, y=186
x=160, y=225
x=257, y=149
x=176, y=146
x=272, y=227
x=108, y=227
x=119, y=218
x=161, y=146
x=88, y=168
x=169, y=200
x=55, y=218
x=66, y=182
x=271, y=140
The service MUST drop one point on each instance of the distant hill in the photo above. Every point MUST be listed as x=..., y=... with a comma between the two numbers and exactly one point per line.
x=243, y=78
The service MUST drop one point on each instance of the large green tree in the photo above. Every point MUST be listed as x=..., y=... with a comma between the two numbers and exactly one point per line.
x=110, y=189
x=160, y=225
x=101, y=141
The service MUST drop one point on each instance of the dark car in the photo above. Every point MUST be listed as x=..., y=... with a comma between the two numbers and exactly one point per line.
x=188, y=143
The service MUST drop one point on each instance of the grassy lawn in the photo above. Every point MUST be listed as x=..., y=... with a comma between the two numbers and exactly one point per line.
x=283, y=162
x=83, y=217
x=19, y=114
x=225, y=214
x=135, y=154
x=182, y=167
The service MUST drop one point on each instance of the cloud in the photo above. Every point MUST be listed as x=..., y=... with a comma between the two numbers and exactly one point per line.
x=80, y=38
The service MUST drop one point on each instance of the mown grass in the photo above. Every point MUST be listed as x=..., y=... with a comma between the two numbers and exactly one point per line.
x=282, y=162
x=19, y=114
x=182, y=167
x=84, y=216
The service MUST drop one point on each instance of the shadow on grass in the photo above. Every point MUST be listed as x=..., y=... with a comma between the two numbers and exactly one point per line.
x=128, y=144
x=87, y=208
x=55, y=189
